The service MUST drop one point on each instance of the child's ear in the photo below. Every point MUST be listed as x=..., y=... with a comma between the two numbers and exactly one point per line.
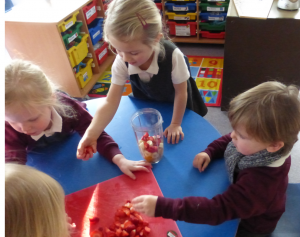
x=275, y=146
x=158, y=37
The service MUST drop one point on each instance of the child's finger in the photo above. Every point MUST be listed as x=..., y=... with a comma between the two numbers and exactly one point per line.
x=177, y=137
x=205, y=165
x=130, y=174
x=141, y=168
x=137, y=199
x=182, y=135
x=165, y=133
x=173, y=138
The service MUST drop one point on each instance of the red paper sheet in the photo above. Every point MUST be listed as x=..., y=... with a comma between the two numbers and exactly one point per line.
x=102, y=200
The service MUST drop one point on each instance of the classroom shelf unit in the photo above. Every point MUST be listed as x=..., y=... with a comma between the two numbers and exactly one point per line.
x=35, y=31
x=192, y=13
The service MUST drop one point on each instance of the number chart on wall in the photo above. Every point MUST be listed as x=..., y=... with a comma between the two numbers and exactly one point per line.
x=208, y=74
x=206, y=71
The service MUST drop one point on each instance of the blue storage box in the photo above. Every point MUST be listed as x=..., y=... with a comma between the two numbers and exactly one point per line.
x=213, y=16
x=95, y=30
x=187, y=7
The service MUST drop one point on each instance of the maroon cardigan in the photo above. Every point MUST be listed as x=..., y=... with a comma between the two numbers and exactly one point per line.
x=18, y=144
x=257, y=197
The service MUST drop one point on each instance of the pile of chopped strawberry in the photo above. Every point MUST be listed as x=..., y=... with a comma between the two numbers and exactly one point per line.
x=128, y=222
x=151, y=147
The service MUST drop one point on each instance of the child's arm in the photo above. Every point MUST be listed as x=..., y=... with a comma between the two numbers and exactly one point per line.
x=174, y=131
x=103, y=116
x=15, y=145
x=251, y=196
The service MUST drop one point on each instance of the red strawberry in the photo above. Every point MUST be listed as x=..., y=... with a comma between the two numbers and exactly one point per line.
x=94, y=220
x=132, y=233
x=119, y=232
x=124, y=233
x=96, y=233
x=128, y=226
x=152, y=149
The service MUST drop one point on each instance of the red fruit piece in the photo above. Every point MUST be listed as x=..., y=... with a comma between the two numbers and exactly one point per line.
x=94, y=220
x=147, y=230
x=151, y=139
x=120, y=213
x=146, y=134
x=124, y=233
x=152, y=149
x=109, y=233
x=96, y=233
x=119, y=232
x=128, y=226
x=134, y=220
x=146, y=145
x=132, y=233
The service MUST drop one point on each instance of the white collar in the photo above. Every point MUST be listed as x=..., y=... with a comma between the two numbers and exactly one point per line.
x=279, y=162
x=56, y=125
x=153, y=68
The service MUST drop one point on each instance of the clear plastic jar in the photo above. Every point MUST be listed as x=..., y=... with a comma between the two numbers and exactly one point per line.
x=147, y=126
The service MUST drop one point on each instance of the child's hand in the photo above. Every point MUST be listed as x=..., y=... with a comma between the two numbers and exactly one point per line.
x=86, y=148
x=174, y=131
x=127, y=166
x=201, y=161
x=145, y=204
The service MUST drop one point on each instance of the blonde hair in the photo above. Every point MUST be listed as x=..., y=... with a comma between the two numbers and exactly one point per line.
x=27, y=85
x=125, y=19
x=34, y=204
x=270, y=112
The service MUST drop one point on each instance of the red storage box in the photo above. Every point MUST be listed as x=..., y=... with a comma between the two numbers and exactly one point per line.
x=159, y=6
x=188, y=29
x=102, y=53
x=207, y=34
x=90, y=12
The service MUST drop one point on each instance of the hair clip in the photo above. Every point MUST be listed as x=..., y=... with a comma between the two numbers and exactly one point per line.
x=142, y=20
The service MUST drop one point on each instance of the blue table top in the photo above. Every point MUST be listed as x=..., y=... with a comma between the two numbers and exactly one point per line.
x=174, y=173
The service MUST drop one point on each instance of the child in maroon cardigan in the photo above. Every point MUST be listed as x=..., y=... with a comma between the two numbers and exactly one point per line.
x=266, y=122
x=36, y=115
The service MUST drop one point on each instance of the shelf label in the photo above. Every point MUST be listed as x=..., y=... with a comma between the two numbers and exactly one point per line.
x=93, y=64
x=85, y=76
x=102, y=54
x=72, y=37
x=181, y=18
x=216, y=18
x=183, y=30
x=98, y=8
x=69, y=25
x=89, y=55
x=216, y=9
x=90, y=12
x=180, y=8
x=96, y=34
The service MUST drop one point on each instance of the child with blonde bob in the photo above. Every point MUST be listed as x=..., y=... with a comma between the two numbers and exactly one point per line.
x=37, y=114
x=34, y=204
x=266, y=122
x=157, y=69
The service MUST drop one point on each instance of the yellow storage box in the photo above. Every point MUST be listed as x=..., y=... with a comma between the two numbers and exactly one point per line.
x=85, y=74
x=78, y=52
x=182, y=17
x=64, y=25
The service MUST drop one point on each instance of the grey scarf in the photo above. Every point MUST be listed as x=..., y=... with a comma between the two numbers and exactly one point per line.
x=233, y=158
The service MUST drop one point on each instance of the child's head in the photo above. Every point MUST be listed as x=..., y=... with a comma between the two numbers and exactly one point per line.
x=133, y=21
x=268, y=115
x=34, y=204
x=29, y=95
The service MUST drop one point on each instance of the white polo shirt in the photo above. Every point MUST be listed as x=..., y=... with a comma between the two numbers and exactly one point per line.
x=120, y=73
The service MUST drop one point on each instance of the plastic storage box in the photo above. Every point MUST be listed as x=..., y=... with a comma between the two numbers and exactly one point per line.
x=210, y=1
x=188, y=29
x=85, y=73
x=101, y=53
x=90, y=12
x=213, y=16
x=78, y=52
x=66, y=24
x=72, y=33
x=159, y=6
x=181, y=17
x=211, y=35
x=214, y=7
x=212, y=25
x=187, y=7
x=183, y=0
x=95, y=30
